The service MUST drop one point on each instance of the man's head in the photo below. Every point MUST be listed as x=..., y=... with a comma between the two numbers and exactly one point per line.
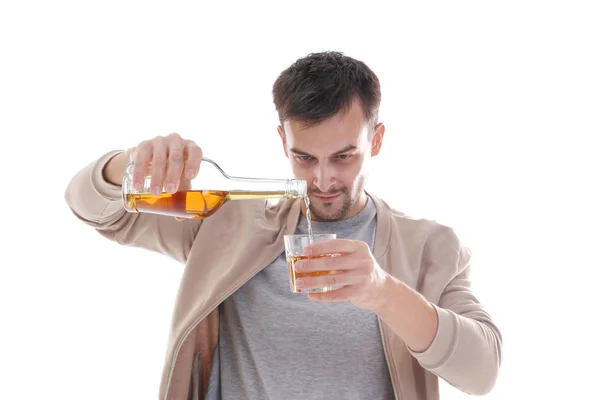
x=328, y=109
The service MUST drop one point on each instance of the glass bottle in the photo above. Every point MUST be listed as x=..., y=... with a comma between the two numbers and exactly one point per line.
x=203, y=195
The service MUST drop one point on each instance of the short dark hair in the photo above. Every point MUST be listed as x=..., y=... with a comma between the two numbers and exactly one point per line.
x=319, y=85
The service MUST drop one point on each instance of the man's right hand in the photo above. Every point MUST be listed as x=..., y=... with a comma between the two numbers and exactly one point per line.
x=172, y=158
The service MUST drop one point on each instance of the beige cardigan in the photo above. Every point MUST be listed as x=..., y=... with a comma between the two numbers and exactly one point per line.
x=224, y=251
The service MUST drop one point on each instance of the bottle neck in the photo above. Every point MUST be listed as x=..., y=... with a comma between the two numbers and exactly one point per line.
x=243, y=188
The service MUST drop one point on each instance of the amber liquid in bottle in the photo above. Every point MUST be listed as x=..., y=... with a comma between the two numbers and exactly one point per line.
x=194, y=204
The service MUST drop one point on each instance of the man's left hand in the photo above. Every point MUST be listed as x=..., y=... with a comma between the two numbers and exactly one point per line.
x=363, y=281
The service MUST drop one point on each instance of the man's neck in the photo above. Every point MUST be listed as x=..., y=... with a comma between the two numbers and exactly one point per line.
x=360, y=205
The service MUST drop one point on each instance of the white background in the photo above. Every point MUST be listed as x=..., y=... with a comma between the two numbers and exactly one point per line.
x=492, y=112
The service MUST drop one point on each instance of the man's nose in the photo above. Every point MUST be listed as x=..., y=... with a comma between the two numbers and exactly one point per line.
x=324, y=179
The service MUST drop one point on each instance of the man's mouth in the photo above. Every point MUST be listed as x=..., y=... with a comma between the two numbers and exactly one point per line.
x=327, y=197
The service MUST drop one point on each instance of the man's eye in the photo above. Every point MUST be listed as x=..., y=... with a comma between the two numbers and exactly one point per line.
x=344, y=156
x=303, y=158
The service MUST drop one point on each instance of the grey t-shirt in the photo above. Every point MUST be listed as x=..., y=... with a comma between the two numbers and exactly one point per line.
x=274, y=344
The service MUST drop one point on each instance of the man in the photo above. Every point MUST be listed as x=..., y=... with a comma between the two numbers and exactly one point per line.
x=405, y=314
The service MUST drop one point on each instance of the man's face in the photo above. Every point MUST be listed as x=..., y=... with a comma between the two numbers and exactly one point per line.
x=333, y=157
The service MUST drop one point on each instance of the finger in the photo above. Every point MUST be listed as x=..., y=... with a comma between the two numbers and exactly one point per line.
x=332, y=246
x=345, y=293
x=346, y=278
x=180, y=219
x=129, y=153
x=141, y=157
x=175, y=165
x=327, y=263
x=185, y=184
x=193, y=155
x=159, y=162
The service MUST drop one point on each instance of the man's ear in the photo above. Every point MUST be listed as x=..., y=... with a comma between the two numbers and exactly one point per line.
x=282, y=136
x=377, y=139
